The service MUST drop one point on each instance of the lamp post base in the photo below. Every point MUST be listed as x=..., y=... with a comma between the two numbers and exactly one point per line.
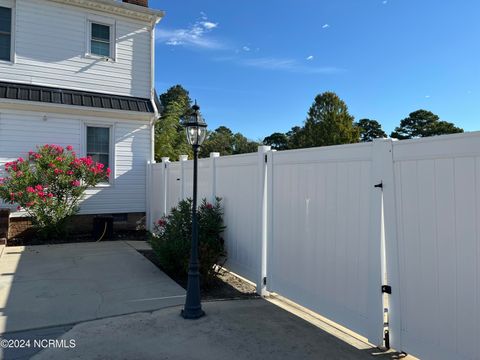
x=192, y=314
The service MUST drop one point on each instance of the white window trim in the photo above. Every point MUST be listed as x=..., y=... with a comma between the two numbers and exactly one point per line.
x=113, y=37
x=111, y=159
x=10, y=4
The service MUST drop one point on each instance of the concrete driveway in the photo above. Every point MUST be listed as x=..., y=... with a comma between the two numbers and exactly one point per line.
x=51, y=285
x=239, y=330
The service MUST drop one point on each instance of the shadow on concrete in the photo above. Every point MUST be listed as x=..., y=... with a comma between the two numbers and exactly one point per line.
x=237, y=330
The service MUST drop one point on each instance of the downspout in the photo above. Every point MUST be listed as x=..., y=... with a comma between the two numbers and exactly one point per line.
x=153, y=120
x=156, y=112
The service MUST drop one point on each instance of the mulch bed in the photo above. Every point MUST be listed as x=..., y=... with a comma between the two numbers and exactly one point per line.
x=225, y=287
x=80, y=238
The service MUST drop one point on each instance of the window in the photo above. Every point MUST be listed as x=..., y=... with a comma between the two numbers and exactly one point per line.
x=100, y=42
x=5, y=33
x=98, y=144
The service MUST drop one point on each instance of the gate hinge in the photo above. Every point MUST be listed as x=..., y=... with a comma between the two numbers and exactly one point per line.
x=386, y=289
x=380, y=185
x=265, y=280
x=266, y=158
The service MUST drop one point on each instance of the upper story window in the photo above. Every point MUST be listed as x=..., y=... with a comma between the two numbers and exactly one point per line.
x=101, y=40
x=5, y=33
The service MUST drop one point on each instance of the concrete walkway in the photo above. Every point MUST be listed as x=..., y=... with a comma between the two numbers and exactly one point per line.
x=237, y=330
x=51, y=285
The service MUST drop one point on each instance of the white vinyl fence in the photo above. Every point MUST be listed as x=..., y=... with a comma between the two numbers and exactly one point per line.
x=327, y=227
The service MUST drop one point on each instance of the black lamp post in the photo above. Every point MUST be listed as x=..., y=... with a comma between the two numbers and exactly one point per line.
x=196, y=132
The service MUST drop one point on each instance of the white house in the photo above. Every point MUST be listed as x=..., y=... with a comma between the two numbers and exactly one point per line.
x=81, y=73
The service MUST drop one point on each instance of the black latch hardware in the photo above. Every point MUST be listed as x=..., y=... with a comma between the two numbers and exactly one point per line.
x=386, y=289
x=379, y=185
x=387, y=339
x=265, y=280
x=266, y=158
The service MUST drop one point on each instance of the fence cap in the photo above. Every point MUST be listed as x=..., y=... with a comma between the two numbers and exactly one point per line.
x=183, y=157
x=165, y=159
x=214, y=154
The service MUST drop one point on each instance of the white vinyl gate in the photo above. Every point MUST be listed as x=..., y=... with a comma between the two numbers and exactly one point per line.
x=321, y=253
x=434, y=249
x=327, y=227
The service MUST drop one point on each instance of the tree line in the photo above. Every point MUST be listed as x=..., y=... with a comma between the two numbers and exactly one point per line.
x=328, y=122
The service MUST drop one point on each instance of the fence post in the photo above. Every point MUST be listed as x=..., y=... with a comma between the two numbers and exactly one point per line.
x=391, y=256
x=182, y=159
x=164, y=190
x=149, y=203
x=269, y=218
x=262, y=228
x=213, y=175
x=381, y=184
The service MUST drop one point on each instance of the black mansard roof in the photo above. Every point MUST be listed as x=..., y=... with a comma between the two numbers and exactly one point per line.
x=61, y=96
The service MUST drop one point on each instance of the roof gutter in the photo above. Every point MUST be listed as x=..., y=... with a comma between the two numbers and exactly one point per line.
x=118, y=8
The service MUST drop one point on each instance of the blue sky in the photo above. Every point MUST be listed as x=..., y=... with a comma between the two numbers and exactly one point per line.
x=256, y=66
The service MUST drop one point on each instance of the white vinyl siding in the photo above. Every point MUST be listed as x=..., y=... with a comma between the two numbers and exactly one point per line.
x=51, y=49
x=21, y=131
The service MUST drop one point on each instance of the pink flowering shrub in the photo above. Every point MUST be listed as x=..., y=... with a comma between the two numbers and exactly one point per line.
x=49, y=184
x=172, y=236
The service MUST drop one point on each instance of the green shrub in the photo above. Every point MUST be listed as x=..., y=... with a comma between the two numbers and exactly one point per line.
x=172, y=236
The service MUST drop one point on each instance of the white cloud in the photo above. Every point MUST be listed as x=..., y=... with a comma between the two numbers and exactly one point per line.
x=310, y=57
x=280, y=64
x=209, y=25
x=325, y=26
x=246, y=48
x=385, y=2
x=195, y=35
x=427, y=96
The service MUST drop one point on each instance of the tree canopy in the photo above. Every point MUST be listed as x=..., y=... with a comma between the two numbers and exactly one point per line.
x=370, y=129
x=278, y=141
x=170, y=139
x=224, y=141
x=423, y=123
x=328, y=123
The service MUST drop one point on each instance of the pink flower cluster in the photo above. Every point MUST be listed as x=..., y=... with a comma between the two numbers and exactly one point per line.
x=12, y=165
x=54, y=148
x=40, y=191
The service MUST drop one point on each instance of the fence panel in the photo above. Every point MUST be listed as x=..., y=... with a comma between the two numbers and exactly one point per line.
x=157, y=192
x=204, y=179
x=320, y=231
x=174, y=184
x=236, y=179
x=435, y=259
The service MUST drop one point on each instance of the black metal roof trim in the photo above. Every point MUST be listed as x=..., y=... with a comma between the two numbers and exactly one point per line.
x=61, y=96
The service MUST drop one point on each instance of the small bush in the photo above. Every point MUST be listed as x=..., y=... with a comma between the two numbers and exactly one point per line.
x=171, y=239
x=49, y=185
